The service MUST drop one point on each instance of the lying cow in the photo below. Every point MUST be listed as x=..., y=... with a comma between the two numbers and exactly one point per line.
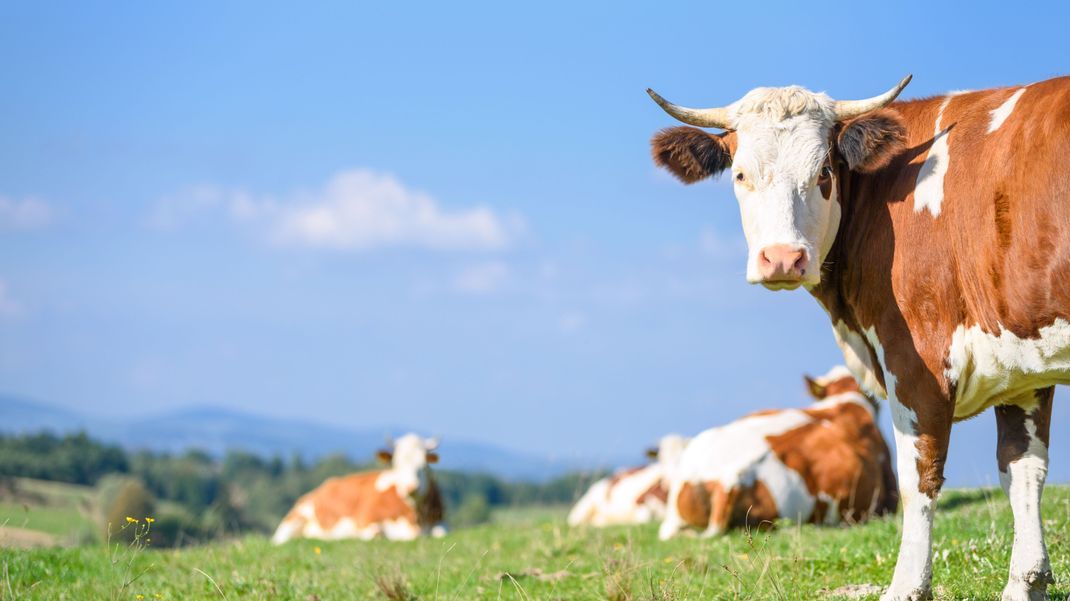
x=823, y=464
x=632, y=496
x=936, y=234
x=399, y=503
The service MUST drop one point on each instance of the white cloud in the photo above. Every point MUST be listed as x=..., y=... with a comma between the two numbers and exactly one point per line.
x=9, y=307
x=481, y=278
x=25, y=214
x=355, y=210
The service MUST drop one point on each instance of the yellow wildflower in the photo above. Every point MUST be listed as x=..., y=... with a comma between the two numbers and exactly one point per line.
x=139, y=597
x=130, y=520
x=317, y=550
x=150, y=520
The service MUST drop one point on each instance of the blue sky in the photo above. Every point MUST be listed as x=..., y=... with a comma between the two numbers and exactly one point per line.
x=438, y=215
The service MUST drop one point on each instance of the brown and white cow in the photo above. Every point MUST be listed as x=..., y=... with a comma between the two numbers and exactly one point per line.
x=399, y=503
x=631, y=496
x=936, y=233
x=824, y=464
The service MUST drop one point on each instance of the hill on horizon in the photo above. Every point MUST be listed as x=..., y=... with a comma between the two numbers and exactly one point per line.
x=216, y=430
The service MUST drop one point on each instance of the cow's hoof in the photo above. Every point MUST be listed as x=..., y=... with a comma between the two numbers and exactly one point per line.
x=918, y=594
x=1032, y=587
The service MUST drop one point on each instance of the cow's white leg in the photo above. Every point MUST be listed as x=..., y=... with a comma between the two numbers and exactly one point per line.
x=670, y=526
x=914, y=569
x=1022, y=454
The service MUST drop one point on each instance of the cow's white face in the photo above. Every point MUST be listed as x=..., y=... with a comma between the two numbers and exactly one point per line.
x=412, y=452
x=670, y=447
x=783, y=178
x=783, y=147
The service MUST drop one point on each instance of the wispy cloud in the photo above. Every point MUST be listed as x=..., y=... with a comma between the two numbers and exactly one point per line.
x=355, y=210
x=25, y=214
x=481, y=278
x=9, y=307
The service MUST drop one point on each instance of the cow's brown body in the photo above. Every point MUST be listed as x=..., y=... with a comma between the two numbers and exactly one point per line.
x=947, y=280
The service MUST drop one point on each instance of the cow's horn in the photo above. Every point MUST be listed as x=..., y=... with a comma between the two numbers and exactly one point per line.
x=715, y=117
x=845, y=109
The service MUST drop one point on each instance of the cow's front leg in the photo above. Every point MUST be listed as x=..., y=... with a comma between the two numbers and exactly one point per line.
x=921, y=450
x=1022, y=454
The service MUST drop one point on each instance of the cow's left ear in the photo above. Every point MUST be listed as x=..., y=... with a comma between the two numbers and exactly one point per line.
x=692, y=154
x=652, y=453
x=432, y=457
x=870, y=141
x=816, y=389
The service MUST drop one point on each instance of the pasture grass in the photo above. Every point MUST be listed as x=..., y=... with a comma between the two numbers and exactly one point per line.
x=529, y=555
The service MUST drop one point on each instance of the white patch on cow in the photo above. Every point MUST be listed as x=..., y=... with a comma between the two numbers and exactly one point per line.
x=288, y=529
x=929, y=186
x=438, y=531
x=913, y=569
x=400, y=529
x=738, y=454
x=836, y=373
x=1024, y=482
x=618, y=501
x=992, y=369
x=1000, y=114
x=842, y=398
x=787, y=487
x=856, y=354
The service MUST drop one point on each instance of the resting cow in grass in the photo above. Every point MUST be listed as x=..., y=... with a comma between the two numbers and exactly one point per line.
x=399, y=503
x=824, y=464
x=936, y=234
x=631, y=496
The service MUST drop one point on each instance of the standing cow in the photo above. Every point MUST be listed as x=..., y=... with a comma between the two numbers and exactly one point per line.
x=936, y=234
x=399, y=503
x=823, y=464
x=632, y=496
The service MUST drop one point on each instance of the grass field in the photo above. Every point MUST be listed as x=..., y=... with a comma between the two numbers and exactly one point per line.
x=532, y=555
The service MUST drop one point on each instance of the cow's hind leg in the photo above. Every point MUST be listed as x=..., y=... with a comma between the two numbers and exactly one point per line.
x=921, y=450
x=1022, y=453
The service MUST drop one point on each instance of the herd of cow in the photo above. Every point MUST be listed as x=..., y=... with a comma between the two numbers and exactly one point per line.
x=936, y=235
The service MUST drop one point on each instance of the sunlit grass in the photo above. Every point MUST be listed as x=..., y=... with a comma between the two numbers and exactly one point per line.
x=535, y=556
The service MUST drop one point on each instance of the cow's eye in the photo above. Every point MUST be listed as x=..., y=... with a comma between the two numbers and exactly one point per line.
x=826, y=172
x=740, y=177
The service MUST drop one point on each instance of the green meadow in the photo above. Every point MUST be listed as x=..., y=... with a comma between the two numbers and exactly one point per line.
x=531, y=554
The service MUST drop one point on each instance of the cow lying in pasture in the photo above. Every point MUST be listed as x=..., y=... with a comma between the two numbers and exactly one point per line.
x=936, y=235
x=825, y=464
x=631, y=496
x=398, y=503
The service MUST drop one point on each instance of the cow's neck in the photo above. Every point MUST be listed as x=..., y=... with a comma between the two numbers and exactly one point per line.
x=835, y=295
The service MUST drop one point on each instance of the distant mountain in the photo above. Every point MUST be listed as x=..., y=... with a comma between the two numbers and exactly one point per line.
x=217, y=430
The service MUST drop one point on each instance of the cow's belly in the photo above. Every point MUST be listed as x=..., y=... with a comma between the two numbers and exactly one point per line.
x=988, y=369
x=788, y=489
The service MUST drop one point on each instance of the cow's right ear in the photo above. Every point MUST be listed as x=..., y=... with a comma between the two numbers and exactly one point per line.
x=816, y=389
x=692, y=154
x=384, y=456
x=652, y=453
x=872, y=140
